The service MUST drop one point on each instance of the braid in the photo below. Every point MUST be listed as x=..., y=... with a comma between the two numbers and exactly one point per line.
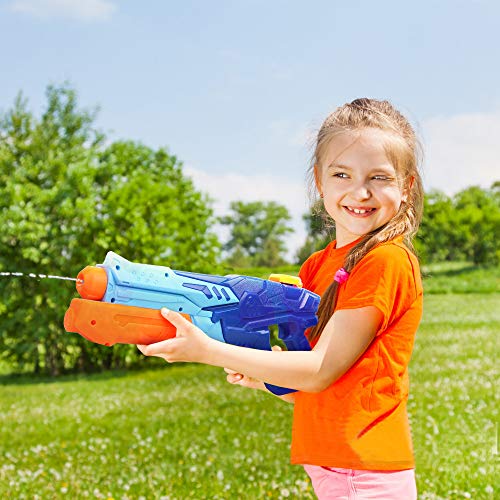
x=404, y=154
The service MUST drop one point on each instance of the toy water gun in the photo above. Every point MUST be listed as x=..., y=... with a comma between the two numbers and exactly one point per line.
x=121, y=303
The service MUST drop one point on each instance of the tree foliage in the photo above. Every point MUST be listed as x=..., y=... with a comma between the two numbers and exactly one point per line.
x=257, y=232
x=320, y=231
x=66, y=198
x=460, y=227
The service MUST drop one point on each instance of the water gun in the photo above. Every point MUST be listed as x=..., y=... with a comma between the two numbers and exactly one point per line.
x=121, y=303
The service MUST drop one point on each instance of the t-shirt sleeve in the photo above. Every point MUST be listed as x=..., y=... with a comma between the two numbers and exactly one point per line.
x=307, y=270
x=384, y=279
x=304, y=273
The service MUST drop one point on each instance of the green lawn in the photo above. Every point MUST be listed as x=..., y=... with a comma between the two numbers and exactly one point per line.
x=183, y=432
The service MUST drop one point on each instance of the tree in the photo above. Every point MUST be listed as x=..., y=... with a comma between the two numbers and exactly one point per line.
x=320, y=231
x=66, y=199
x=436, y=239
x=478, y=224
x=462, y=227
x=257, y=232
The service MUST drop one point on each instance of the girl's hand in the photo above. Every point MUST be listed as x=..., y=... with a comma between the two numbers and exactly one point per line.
x=189, y=344
x=240, y=379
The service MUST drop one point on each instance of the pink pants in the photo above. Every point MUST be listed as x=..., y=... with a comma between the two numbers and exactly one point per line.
x=349, y=484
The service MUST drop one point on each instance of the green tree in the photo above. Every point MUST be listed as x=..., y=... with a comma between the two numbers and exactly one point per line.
x=478, y=224
x=257, y=232
x=436, y=240
x=65, y=200
x=320, y=231
x=462, y=227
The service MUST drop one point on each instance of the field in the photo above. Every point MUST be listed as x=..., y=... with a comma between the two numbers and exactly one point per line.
x=183, y=432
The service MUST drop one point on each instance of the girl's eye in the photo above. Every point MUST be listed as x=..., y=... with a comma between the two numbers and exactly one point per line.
x=341, y=175
x=381, y=178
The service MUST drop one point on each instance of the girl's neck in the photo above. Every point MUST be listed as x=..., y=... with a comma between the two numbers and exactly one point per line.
x=343, y=242
x=347, y=243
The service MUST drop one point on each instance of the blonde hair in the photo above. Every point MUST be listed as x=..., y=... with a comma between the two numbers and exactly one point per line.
x=404, y=152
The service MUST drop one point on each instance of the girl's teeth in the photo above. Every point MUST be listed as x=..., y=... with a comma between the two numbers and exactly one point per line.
x=358, y=211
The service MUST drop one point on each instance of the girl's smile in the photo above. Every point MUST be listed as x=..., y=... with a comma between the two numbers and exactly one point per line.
x=360, y=211
x=360, y=186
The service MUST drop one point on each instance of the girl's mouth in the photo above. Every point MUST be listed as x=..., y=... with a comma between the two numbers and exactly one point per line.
x=359, y=212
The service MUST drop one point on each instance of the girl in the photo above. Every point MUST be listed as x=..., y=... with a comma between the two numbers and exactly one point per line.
x=350, y=426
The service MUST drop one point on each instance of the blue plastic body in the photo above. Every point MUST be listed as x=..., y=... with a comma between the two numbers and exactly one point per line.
x=235, y=309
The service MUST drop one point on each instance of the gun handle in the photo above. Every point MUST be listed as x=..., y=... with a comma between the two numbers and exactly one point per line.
x=295, y=340
x=279, y=391
x=293, y=336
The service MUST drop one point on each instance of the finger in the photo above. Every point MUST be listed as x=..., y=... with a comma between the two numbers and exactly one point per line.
x=228, y=370
x=234, y=379
x=276, y=348
x=163, y=347
x=177, y=319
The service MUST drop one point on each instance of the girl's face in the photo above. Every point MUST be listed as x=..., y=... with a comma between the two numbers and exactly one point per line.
x=360, y=187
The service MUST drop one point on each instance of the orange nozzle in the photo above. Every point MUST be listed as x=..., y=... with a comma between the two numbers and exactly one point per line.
x=92, y=282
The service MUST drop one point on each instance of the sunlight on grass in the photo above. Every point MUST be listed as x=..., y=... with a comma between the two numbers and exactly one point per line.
x=453, y=399
x=183, y=432
x=174, y=433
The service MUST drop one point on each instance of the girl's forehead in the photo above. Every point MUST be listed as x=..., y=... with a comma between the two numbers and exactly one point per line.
x=367, y=144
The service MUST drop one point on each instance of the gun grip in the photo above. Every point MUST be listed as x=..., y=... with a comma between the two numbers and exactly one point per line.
x=293, y=337
x=279, y=391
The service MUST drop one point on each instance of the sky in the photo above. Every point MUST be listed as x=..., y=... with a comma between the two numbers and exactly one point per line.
x=237, y=89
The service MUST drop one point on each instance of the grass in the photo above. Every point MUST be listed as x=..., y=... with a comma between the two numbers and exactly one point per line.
x=180, y=433
x=460, y=277
x=454, y=397
x=183, y=432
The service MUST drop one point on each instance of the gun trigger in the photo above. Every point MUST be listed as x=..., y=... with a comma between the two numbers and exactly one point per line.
x=286, y=279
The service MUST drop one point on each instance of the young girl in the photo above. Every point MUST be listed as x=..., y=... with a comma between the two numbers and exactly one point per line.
x=350, y=426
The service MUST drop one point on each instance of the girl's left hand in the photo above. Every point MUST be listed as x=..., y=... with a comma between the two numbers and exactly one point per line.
x=189, y=344
x=236, y=378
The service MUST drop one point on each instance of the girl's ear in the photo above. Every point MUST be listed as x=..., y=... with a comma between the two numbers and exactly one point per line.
x=407, y=189
x=317, y=179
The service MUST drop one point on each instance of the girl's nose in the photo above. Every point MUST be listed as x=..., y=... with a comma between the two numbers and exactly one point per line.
x=361, y=191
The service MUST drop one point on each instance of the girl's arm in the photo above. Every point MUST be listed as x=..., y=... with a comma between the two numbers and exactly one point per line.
x=344, y=339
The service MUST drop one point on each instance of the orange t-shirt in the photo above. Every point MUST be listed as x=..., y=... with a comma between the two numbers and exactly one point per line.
x=360, y=420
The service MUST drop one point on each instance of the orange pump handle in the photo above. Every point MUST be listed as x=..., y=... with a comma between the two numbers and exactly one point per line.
x=92, y=282
x=110, y=324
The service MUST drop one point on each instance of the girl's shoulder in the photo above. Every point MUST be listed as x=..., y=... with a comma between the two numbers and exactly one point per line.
x=391, y=259
x=394, y=251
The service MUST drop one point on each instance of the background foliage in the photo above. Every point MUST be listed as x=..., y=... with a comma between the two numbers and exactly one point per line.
x=66, y=198
x=68, y=195
x=257, y=232
x=462, y=227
